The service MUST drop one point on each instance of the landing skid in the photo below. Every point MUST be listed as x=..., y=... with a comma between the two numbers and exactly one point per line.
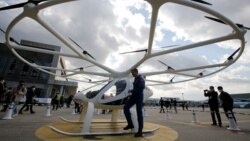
x=71, y=121
x=99, y=133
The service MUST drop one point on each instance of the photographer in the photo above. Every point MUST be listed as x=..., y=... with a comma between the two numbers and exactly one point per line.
x=213, y=104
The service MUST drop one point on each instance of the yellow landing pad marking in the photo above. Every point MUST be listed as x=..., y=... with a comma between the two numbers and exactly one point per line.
x=198, y=124
x=163, y=134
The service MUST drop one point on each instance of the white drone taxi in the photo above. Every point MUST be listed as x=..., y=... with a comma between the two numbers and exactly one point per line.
x=119, y=83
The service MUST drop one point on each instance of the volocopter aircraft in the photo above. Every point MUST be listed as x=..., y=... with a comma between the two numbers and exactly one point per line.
x=119, y=82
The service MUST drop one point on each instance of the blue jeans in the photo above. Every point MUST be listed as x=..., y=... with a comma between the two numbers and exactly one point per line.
x=139, y=105
x=15, y=107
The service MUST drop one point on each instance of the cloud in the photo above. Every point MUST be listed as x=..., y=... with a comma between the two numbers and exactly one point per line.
x=107, y=28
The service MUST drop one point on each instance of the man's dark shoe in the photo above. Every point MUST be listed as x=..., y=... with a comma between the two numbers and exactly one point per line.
x=20, y=113
x=32, y=112
x=220, y=125
x=128, y=127
x=138, y=134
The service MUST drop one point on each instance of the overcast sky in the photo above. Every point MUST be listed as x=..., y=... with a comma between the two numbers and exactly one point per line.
x=107, y=27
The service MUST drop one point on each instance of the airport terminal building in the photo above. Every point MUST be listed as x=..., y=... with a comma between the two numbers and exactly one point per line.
x=13, y=70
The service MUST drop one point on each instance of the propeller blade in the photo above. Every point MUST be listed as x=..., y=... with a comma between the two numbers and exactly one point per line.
x=141, y=50
x=220, y=21
x=170, y=46
x=81, y=68
x=242, y=26
x=169, y=68
x=76, y=43
x=214, y=19
x=87, y=79
x=171, y=80
x=19, y=5
x=232, y=55
x=84, y=51
x=11, y=39
x=2, y=30
x=201, y=1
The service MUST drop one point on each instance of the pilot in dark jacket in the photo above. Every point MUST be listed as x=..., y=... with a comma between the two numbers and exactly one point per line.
x=135, y=98
x=213, y=104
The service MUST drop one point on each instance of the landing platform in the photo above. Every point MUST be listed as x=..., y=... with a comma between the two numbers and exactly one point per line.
x=162, y=134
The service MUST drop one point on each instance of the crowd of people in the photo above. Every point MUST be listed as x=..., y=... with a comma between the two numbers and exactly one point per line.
x=168, y=103
x=9, y=95
x=14, y=95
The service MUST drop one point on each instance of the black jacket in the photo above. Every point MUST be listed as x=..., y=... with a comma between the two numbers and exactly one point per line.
x=213, y=98
x=139, y=85
x=226, y=100
x=30, y=95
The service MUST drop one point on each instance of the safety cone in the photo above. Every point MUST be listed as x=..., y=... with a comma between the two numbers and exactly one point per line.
x=48, y=111
x=232, y=124
x=73, y=111
x=168, y=116
x=8, y=113
x=145, y=113
x=194, y=117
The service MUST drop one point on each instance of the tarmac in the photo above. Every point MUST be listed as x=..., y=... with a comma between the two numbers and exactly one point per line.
x=173, y=127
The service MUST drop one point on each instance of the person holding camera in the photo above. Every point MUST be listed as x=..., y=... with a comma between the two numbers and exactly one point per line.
x=213, y=104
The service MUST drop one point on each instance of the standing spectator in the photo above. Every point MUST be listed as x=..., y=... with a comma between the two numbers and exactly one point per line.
x=56, y=101
x=19, y=92
x=203, y=107
x=69, y=100
x=8, y=99
x=29, y=100
x=2, y=89
x=186, y=105
x=171, y=103
x=175, y=105
x=226, y=102
x=213, y=104
x=62, y=100
x=167, y=104
x=183, y=105
x=135, y=98
x=162, y=105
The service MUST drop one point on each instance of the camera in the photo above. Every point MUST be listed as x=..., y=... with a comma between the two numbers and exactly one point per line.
x=205, y=90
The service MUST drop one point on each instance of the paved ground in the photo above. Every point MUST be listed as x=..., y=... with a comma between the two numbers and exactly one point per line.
x=23, y=127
